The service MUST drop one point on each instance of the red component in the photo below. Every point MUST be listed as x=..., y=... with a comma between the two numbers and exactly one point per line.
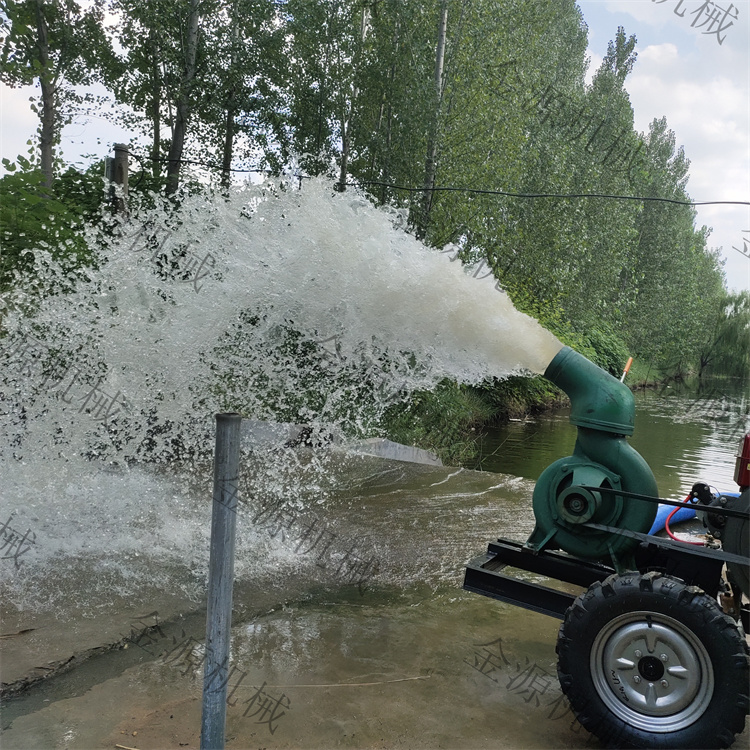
x=669, y=518
x=742, y=468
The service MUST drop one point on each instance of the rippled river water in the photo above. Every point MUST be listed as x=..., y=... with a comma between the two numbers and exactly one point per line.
x=408, y=659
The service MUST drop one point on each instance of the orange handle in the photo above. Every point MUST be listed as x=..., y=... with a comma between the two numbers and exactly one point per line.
x=627, y=367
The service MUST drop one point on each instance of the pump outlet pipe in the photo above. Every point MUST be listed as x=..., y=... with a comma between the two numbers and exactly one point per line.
x=603, y=410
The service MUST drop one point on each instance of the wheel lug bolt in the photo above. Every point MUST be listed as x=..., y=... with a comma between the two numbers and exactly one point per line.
x=664, y=683
x=636, y=679
x=664, y=657
x=638, y=653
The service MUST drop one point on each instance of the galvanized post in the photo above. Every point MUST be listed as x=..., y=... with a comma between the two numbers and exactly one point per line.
x=120, y=177
x=220, y=580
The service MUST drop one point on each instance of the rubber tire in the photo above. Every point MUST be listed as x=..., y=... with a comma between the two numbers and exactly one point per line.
x=725, y=712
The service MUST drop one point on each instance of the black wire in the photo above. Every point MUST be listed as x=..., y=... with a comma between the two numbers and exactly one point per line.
x=143, y=169
x=547, y=195
x=474, y=191
x=211, y=166
x=191, y=161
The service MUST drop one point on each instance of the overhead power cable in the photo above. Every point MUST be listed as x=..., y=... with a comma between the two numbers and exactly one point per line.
x=480, y=191
x=473, y=191
x=217, y=167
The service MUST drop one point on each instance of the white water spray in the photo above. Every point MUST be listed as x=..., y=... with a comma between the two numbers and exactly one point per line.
x=290, y=305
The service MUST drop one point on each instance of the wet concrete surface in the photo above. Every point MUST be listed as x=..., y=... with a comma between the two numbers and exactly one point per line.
x=385, y=669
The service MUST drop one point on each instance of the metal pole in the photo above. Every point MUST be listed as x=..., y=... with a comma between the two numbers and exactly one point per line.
x=120, y=176
x=220, y=580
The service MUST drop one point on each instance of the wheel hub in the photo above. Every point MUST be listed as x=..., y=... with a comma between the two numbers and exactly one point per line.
x=650, y=668
x=652, y=671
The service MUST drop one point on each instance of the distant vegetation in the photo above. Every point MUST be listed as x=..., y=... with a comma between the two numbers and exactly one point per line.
x=401, y=99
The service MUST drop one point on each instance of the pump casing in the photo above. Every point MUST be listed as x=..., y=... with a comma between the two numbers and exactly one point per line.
x=567, y=493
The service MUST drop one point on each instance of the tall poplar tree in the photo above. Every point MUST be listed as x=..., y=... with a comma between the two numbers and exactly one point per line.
x=55, y=44
x=161, y=66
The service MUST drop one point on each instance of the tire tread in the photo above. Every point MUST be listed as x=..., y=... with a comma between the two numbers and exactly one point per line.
x=602, y=602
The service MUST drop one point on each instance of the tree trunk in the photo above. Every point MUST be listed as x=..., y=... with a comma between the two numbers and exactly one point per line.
x=702, y=366
x=155, y=106
x=183, y=102
x=226, y=160
x=386, y=171
x=346, y=119
x=432, y=144
x=231, y=107
x=341, y=185
x=49, y=114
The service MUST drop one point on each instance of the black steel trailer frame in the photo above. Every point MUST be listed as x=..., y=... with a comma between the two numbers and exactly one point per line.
x=491, y=575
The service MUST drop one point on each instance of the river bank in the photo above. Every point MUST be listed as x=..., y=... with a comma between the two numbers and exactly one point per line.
x=454, y=420
x=451, y=420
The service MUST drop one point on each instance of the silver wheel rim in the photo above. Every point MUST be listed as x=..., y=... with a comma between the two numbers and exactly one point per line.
x=652, y=671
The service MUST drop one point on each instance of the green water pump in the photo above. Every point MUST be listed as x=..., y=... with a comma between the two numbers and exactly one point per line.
x=575, y=497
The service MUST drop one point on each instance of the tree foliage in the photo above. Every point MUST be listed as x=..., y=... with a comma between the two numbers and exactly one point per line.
x=392, y=95
x=35, y=217
x=726, y=348
x=56, y=44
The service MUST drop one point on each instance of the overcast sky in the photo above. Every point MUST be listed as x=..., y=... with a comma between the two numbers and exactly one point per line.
x=702, y=86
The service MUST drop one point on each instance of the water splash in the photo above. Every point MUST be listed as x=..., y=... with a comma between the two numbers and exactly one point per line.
x=290, y=305
x=246, y=303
